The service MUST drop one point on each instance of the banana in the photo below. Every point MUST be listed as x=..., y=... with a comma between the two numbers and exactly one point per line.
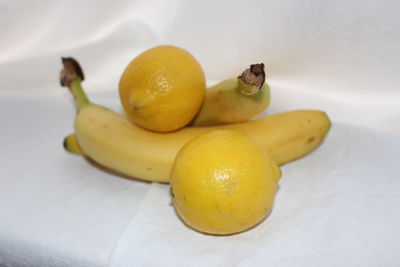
x=111, y=140
x=235, y=100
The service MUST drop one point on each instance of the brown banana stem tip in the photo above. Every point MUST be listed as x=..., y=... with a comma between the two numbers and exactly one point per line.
x=70, y=72
x=255, y=75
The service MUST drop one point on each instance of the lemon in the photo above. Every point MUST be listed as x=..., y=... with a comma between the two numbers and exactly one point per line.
x=223, y=182
x=163, y=88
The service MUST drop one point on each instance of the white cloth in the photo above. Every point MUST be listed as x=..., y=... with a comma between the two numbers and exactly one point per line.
x=339, y=206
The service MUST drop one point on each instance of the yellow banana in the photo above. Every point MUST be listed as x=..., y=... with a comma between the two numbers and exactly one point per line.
x=110, y=139
x=235, y=100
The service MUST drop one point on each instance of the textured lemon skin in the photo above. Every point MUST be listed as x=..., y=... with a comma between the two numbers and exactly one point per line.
x=223, y=183
x=163, y=88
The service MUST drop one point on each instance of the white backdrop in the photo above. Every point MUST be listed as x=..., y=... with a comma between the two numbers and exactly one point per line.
x=336, y=207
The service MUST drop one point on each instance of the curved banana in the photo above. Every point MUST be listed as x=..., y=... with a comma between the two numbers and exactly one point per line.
x=110, y=139
x=235, y=100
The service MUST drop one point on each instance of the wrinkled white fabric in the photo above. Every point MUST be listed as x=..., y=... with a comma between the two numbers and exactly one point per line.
x=338, y=206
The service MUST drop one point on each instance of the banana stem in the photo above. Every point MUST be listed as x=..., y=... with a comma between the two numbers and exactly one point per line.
x=252, y=79
x=79, y=94
x=72, y=76
x=246, y=89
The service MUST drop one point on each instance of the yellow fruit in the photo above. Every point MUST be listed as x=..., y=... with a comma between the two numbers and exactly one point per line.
x=113, y=141
x=223, y=182
x=162, y=89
